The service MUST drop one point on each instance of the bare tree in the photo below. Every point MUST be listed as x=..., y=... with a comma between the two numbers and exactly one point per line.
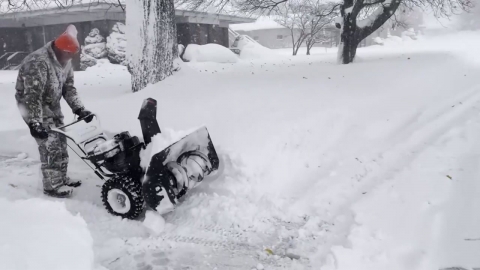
x=305, y=19
x=318, y=38
x=293, y=16
x=322, y=15
x=470, y=20
x=360, y=18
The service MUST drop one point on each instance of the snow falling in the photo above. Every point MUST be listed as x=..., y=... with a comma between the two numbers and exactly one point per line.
x=372, y=165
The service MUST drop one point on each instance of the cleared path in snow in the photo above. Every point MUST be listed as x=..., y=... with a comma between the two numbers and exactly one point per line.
x=303, y=140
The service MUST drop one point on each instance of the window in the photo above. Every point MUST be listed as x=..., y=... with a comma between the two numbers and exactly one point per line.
x=256, y=38
x=279, y=37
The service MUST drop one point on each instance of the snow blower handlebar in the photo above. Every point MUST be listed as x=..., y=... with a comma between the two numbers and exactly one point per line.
x=78, y=120
x=82, y=142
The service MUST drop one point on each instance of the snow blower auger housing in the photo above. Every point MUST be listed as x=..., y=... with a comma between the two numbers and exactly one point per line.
x=129, y=188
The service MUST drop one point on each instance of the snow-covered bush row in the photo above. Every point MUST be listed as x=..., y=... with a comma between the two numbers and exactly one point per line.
x=209, y=53
x=96, y=48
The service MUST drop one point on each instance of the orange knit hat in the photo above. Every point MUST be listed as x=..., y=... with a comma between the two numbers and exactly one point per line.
x=68, y=40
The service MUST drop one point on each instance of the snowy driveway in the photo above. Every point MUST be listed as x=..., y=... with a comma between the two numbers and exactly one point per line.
x=366, y=166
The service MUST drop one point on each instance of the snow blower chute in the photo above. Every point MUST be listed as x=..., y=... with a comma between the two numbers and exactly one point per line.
x=129, y=188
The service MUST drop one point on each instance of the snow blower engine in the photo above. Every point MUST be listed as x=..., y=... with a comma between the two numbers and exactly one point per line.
x=130, y=188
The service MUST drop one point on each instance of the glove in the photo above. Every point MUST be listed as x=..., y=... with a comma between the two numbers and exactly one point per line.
x=84, y=113
x=38, y=131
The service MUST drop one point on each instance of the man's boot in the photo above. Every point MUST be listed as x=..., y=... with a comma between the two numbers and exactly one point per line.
x=60, y=192
x=72, y=183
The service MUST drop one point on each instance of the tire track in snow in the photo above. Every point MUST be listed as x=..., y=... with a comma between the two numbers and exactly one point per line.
x=415, y=140
x=222, y=244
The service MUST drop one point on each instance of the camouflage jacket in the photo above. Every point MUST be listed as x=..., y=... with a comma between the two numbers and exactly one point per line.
x=41, y=83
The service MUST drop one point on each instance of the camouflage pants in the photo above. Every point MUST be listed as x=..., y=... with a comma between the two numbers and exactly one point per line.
x=53, y=156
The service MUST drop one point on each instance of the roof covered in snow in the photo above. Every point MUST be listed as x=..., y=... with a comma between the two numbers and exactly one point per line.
x=87, y=10
x=261, y=23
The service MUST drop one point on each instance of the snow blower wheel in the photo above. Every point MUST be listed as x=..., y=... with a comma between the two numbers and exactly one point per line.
x=122, y=196
x=129, y=186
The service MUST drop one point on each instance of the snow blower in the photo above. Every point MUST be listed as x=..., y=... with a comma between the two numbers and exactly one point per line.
x=129, y=188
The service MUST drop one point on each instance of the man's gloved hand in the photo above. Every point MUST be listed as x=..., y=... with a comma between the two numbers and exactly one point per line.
x=83, y=113
x=38, y=131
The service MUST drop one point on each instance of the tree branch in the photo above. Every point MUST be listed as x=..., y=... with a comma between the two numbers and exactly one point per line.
x=387, y=12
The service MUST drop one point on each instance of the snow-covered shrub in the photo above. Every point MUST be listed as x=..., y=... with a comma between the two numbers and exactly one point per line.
x=209, y=53
x=117, y=44
x=97, y=51
x=392, y=40
x=94, y=48
x=94, y=37
x=378, y=41
x=410, y=33
x=86, y=61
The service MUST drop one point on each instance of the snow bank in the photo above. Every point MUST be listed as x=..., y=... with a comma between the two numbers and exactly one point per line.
x=253, y=51
x=394, y=40
x=154, y=221
x=160, y=142
x=250, y=50
x=37, y=234
x=312, y=136
x=104, y=65
x=209, y=53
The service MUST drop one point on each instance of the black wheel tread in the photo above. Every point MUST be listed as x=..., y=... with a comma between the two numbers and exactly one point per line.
x=132, y=188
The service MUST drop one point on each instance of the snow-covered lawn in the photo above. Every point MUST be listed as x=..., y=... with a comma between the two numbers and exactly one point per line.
x=303, y=51
x=366, y=166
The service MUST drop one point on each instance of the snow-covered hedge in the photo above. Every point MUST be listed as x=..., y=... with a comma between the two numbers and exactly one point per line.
x=94, y=37
x=87, y=61
x=97, y=51
x=94, y=49
x=410, y=33
x=117, y=44
x=209, y=53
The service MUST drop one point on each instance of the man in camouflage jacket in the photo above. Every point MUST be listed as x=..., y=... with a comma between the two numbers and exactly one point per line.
x=46, y=76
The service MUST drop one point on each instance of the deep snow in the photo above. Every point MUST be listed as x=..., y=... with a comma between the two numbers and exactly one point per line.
x=36, y=233
x=209, y=53
x=325, y=166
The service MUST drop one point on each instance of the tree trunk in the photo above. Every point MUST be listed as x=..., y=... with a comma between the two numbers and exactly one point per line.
x=352, y=35
x=295, y=48
x=349, y=48
x=348, y=39
x=293, y=42
x=152, y=41
x=309, y=46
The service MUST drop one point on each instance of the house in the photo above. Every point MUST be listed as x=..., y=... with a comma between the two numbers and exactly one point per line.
x=272, y=35
x=267, y=32
x=24, y=32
